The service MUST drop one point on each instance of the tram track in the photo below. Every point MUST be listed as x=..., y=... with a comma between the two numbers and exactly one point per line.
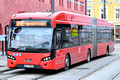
x=113, y=78
x=39, y=77
x=107, y=57
x=36, y=78
x=110, y=62
x=21, y=73
x=12, y=74
x=96, y=71
x=6, y=70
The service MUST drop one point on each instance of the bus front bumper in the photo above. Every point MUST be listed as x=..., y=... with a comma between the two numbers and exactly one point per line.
x=43, y=65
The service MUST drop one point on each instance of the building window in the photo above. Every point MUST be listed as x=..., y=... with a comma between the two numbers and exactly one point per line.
x=76, y=4
x=61, y=3
x=42, y=0
x=102, y=14
x=102, y=0
x=89, y=1
x=118, y=13
x=68, y=4
x=81, y=6
x=117, y=31
x=117, y=0
x=89, y=11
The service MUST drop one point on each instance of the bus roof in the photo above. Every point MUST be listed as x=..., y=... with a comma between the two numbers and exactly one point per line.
x=72, y=18
x=32, y=15
x=63, y=17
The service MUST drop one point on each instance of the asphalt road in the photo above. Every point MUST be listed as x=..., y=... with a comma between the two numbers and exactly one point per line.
x=80, y=71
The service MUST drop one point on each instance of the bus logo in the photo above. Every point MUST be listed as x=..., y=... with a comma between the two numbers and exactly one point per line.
x=28, y=60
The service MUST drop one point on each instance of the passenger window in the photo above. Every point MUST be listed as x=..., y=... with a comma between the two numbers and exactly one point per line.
x=58, y=39
x=66, y=38
x=85, y=34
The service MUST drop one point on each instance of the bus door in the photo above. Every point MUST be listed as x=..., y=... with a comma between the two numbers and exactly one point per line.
x=58, y=39
x=59, y=51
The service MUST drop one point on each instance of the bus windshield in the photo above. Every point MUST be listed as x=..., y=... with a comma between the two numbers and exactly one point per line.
x=30, y=39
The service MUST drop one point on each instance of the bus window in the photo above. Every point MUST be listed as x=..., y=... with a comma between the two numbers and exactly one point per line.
x=58, y=39
x=99, y=34
x=74, y=35
x=85, y=34
x=66, y=38
x=70, y=36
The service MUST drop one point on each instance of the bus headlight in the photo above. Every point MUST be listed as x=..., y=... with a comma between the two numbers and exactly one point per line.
x=46, y=59
x=11, y=57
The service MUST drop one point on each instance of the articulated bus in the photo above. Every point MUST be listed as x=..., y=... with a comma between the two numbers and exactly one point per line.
x=53, y=41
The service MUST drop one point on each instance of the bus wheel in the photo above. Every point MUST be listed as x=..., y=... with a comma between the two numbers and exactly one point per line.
x=88, y=56
x=107, y=52
x=67, y=62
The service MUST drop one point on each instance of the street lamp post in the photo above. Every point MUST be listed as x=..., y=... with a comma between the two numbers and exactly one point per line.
x=104, y=9
x=85, y=7
x=52, y=5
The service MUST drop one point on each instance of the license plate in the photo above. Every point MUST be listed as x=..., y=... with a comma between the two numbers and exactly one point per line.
x=29, y=66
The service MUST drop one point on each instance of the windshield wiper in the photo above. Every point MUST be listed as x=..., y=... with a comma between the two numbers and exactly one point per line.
x=18, y=48
x=30, y=49
x=43, y=49
x=11, y=49
x=39, y=49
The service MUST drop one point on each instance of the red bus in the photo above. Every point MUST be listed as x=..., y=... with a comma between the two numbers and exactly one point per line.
x=56, y=40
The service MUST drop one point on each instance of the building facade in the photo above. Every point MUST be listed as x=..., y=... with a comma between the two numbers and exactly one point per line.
x=9, y=7
x=95, y=9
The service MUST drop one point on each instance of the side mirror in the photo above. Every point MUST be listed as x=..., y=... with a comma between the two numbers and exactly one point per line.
x=6, y=25
x=6, y=45
x=6, y=29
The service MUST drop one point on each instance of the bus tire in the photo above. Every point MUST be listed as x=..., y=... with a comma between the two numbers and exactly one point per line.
x=67, y=62
x=88, y=56
x=107, y=51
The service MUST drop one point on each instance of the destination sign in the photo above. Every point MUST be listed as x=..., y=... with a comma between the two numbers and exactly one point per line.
x=31, y=23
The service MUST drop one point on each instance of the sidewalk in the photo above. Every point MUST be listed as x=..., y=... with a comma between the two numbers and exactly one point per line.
x=3, y=60
x=3, y=63
x=1, y=53
x=117, y=40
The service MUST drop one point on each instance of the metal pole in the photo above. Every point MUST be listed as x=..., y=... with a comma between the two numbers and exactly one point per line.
x=52, y=5
x=6, y=39
x=94, y=8
x=85, y=7
x=104, y=9
x=2, y=48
